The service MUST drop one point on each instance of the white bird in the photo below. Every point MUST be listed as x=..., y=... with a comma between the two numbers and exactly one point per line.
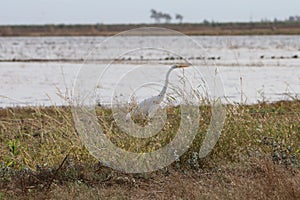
x=149, y=106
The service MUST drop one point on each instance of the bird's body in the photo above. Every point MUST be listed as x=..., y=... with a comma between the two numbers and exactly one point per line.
x=149, y=106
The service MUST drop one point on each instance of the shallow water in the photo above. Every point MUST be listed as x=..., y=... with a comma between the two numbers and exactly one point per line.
x=252, y=68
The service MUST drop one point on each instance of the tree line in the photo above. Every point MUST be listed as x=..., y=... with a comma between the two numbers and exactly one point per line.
x=159, y=16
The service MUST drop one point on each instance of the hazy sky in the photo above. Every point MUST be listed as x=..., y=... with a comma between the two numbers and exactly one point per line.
x=138, y=11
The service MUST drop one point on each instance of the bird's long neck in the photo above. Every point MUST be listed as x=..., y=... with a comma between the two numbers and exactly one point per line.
x=164, y=90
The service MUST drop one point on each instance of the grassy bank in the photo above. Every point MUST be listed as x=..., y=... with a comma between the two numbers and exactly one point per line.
x=252, y=28
x=257, y=156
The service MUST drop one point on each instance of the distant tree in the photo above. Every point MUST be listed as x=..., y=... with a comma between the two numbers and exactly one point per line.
x=155, y=15
x=167, y=17
x=206, y=22
x=179, y=17
x=293, y=19
x=160, y=15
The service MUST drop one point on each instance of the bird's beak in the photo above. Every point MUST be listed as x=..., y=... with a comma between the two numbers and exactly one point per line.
x=183, y=65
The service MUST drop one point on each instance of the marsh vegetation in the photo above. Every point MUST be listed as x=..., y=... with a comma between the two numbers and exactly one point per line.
x=257, y=156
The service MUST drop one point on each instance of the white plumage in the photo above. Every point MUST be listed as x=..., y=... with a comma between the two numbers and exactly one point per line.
x=149, y=106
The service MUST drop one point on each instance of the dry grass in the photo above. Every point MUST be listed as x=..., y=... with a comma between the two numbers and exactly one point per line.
x=262, y=179
x=257, y=157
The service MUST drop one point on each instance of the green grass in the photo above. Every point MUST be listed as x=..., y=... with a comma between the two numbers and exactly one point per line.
x=40, y=150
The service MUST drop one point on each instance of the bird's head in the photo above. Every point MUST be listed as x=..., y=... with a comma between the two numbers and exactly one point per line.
x=182, y=65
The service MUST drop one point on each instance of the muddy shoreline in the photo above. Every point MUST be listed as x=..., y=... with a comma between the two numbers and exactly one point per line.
x=268, y=28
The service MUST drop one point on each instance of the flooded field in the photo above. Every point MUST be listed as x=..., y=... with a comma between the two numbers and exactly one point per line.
x=42, y=70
